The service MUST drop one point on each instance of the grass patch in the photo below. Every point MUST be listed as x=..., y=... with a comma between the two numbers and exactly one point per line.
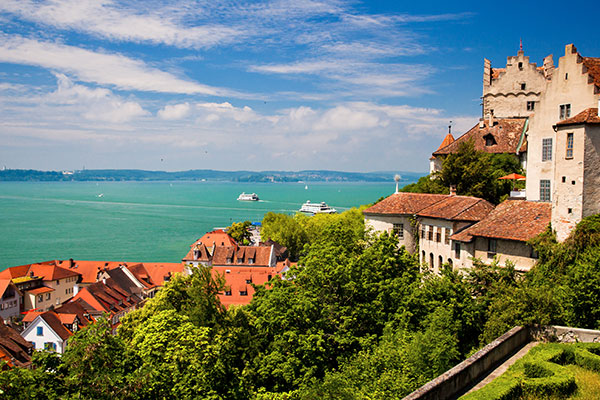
x=549, y=371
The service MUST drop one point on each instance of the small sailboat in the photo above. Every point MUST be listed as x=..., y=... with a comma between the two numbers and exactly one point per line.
x=305, y=187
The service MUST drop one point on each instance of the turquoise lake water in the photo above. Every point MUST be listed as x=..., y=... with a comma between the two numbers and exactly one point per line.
x=144, y=221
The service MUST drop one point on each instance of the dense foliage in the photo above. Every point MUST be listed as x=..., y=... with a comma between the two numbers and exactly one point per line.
x=475, y=173
x=356, y=319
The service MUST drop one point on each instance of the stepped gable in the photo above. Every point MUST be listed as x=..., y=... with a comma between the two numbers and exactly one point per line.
x=404, y=203
x=15, y=350
x=504, y=134
x=518, y=220
x=587, y=116
x=458, y=208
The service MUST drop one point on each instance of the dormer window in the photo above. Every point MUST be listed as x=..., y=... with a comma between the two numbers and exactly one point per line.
x=251, y=261
x=240, y=260
x=249, y=280
x=489, y=140
x=229, y=260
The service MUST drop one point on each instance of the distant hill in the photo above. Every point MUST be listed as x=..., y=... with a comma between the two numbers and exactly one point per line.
x=207, y=174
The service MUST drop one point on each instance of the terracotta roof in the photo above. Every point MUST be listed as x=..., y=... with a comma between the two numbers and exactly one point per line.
x=31, y=315
x=447, y=141
x=218, y=237
x=458, y=208
x=593, y=68
x=236, y=281
x=159, y=271
x=39, y=290
x=518, y=220
x=261, y=256
x=587, y=116
x=14, y=272
x=66, y=318
x=14, y=349
x=404, y=203
x=75, y=308
x=3, y=285
x=505, y=132
x=88, y=269
x=51, y=272
x=57, y=326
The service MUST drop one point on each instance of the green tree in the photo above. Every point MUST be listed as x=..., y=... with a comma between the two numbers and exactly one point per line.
x=286, y=231
x=240, y=232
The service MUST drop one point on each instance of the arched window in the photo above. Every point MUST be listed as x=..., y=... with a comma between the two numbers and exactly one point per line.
x=440, y=262
x=423, y=257
x=431, y=260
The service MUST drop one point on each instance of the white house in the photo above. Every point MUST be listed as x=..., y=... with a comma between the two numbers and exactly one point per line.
x=49, y=331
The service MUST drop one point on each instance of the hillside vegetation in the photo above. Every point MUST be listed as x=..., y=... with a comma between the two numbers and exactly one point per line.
x=354, y=320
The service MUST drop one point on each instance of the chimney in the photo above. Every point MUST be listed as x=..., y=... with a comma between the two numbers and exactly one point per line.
x=490, y=119
x=481, y=123
x=71, y=263
x=452, y=190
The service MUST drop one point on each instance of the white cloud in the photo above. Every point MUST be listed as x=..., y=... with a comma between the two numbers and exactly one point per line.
x=116, y=21
x=175, y=111
x=342, y=118
x=102, y=68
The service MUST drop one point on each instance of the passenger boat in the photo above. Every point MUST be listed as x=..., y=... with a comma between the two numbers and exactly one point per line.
x=248, y=197
x=316, y=208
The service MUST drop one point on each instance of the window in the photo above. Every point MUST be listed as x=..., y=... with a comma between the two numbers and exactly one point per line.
x=48, y=296
x=249, y=280
x=565, y=111
x=447, y=234
x=50, y=346
x=523, y=86
x=398, y=230
x=438, y=234
x=547, y=149
x=40, y=297
x=521, y=66
x=492, y=245
x=251, y=261
x=40, y=331
x=456, y=249
x=423, y=232
x=243, y=292
x=440, y=262
x=530, y=105
x=569, y=153
x=564, y=179
x=430, y=232
x=544, y=190
x=228, y=292
x=431, y=260
x=229, y=260
x=566, y=76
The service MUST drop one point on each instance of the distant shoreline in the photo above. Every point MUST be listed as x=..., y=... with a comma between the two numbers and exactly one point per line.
x=117, y=175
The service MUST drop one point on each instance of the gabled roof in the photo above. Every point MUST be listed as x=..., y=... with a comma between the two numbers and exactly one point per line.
x=57, y=326
x=458, y=208
x=506, y=133
x=14, y=349
x=51, y=272
x=217, y=238
x=587, y=116
x=160, y=272
x=39, y=290
x=87, y=269
x=261, y=255
x=518, y=220
x=75, y=308
x=404, y=203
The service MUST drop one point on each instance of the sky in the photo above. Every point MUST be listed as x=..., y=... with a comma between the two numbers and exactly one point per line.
x=259, y=85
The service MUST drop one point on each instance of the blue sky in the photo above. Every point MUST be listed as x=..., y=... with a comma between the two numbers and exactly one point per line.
x=284, y=84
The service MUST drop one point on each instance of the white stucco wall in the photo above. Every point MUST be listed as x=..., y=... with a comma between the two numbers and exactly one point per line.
x=569, y=85
x=519, y=253
x=30, y=334
x=385, y=223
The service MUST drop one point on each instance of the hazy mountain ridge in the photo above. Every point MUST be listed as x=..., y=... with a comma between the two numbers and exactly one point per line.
x=205, y=174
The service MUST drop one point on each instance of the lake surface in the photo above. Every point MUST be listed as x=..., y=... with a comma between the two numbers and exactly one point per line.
x=144, y=221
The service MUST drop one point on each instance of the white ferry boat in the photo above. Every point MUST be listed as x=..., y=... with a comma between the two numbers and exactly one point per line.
x=316, y=208
x=248, y=197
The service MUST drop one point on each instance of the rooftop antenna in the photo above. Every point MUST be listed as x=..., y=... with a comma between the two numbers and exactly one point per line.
x=450, y=128
x=397, y=179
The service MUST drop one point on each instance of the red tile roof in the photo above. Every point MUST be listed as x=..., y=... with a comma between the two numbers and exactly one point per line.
x=75, y=308
x=506, y=133
x=87, y=269
x=51, y=272
x=159, y=271
x=13, y=348
x=31, y=315
x=587, y=116
x=593, y=69
x=39, y=290
x=57, y=326
x=217, y=238
x=404, y=203
x=447, y=141
x=518, y=220
x=3, y=285
x=236, y=282
x=458, y=208
x=242, y=255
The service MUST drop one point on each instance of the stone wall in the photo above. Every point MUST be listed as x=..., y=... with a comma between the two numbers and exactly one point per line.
x=462, y=376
